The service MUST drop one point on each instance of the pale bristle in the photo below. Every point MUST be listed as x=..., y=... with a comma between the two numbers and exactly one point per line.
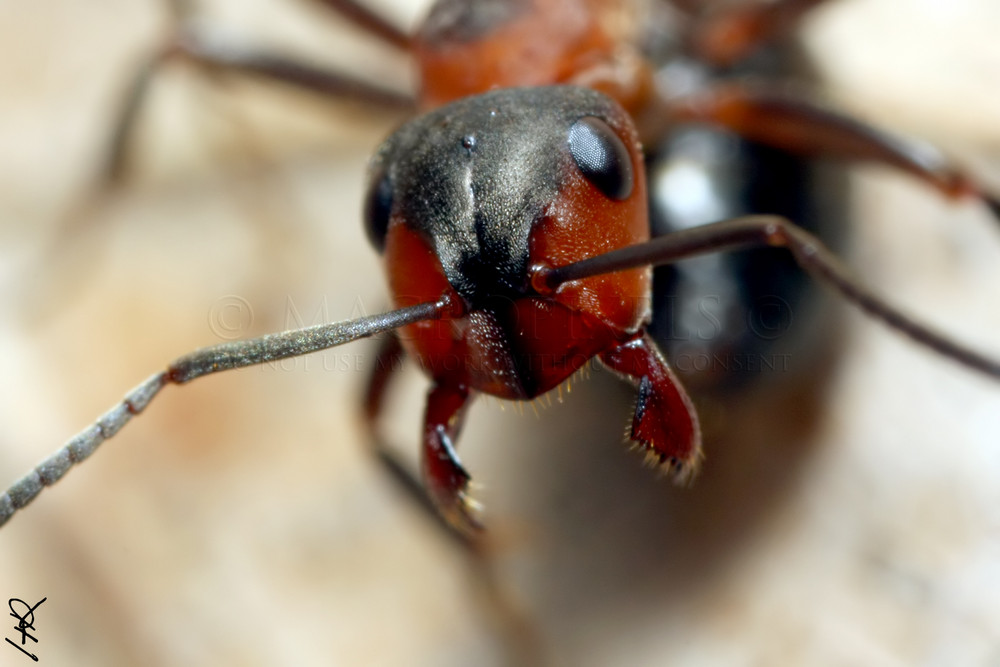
x=681, y=473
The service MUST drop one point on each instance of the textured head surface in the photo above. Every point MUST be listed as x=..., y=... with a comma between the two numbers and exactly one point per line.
x=474, y=176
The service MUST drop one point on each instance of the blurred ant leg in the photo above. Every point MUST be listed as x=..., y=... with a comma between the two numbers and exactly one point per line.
x=113, y=171
x=388, y=357
x=75, y=239
x=725, y=36
x=387, y=360
x=665, y=423
x=221, y=62
x=136, y=91
x=688, y=7
x=443, y=493
x=524, y=643
x=225, y=54
x=219, y=57
x=810, y=254
x=113, y=167
x=369, y=21
x=794, y=124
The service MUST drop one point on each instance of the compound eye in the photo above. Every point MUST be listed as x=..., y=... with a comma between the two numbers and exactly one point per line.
x=602, y=157
x=378, y=207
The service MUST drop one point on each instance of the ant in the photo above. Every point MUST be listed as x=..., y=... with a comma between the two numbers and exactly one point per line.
x=447, y=496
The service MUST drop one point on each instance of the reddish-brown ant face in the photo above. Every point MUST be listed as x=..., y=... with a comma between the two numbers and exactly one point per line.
x=522, y=179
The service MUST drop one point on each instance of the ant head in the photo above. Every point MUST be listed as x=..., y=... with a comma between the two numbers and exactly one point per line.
x=475, y=178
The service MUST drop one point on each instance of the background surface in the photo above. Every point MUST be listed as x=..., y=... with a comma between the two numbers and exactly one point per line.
x=240, y=521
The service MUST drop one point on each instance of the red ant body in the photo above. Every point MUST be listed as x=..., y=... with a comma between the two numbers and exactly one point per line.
x=515, y=337
x=497, y=302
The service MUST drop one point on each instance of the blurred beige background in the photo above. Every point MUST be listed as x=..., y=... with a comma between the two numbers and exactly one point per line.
x=240, y=522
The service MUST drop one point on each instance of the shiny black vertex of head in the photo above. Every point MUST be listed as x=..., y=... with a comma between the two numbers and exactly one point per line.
x=474, y=176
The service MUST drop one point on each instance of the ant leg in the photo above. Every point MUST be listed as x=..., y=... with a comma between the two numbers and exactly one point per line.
x=798, y=126
x=725, y=36
x=444, y=493
x=220, y=56
x=446, y=480
x=113, y=171
x=387, y=359
x=447, y=484
x=226, y=54
x=809, y=252
x=524, y=643
x=665, y=423
x=369, y=21
x=442, y=496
